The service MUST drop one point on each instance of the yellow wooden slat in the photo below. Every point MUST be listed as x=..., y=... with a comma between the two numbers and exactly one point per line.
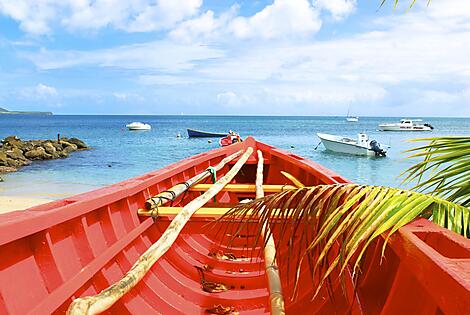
x=164, y=211
x=239, y=188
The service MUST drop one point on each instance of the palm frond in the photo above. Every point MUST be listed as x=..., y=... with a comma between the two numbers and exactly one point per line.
x=446, y=164
x=395, y=5
x=338, y=222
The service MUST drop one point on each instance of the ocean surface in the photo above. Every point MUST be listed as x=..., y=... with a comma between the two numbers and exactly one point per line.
x=119, y=154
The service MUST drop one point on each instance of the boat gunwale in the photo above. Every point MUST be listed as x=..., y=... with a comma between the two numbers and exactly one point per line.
x=21, y=223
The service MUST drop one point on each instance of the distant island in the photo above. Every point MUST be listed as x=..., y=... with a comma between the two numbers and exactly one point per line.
x=4, y=111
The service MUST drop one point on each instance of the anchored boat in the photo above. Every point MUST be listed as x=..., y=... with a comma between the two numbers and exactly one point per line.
x=361, y=146
x=77, y=247
x=350, y=118
x=406, y=125
x=138, y=126
x=229, y=139
x=192, y=133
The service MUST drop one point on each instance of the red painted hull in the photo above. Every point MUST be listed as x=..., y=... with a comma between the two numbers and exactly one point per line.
x=78, y=246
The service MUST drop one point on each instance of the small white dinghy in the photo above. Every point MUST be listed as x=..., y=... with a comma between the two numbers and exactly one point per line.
x=361, y=146
x=138, y=126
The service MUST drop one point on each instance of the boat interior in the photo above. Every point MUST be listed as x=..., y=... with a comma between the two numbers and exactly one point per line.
x=78, y=246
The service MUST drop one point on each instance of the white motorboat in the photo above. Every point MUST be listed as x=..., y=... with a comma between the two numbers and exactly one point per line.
x=361, y=146
x=406, y=125
x=138, y=126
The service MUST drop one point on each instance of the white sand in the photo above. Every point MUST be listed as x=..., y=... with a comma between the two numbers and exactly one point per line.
x=12, y=203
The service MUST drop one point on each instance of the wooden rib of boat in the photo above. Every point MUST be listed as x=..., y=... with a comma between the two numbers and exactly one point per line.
x=54, y=253
x=192, y=133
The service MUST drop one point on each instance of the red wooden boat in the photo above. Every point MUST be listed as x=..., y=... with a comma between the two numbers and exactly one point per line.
x=54, y=253
x=229, y=139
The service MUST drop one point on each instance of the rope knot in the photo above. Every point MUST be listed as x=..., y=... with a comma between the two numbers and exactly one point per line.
x=213, y=172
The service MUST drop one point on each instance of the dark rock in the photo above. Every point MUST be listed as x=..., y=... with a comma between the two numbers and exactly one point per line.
x=49, y=148
x=68, y=150
x=38, y=154
x=14, y=163
x=57, y=146
x=10, y=138
x=66, y=144
x=7, y=169
x=3, y=159
x=68, y=147
x=15, y=154
x=79, y=143
x=27, y=146
x=13, y=142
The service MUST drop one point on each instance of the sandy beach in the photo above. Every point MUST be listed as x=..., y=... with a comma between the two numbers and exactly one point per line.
x=13, y=203
x=19, y=191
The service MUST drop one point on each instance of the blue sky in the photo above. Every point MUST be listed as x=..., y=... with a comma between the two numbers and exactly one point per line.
x=282, y=57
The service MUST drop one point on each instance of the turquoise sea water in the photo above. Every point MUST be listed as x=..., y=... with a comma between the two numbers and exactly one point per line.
x=119, y=154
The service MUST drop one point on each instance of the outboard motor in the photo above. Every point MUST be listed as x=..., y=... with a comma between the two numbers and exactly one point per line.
x=429, y=125
x=375, y=146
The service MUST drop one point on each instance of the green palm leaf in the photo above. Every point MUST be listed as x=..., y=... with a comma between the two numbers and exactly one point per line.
x=348, y=215
x=395, y=5
x=446, y=164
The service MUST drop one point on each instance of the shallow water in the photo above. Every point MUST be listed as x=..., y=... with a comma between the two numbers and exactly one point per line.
x=119, y=154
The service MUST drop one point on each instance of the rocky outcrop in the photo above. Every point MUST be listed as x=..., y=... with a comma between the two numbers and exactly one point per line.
x=79, y=143
x=15, y=153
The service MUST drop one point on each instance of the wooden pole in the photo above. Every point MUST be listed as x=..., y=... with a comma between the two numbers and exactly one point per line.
x=244, y=188
x=104, y=300
x=276, y=298
x=179, y=189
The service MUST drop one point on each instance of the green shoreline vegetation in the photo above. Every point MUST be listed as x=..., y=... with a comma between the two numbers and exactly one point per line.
x=4, y=111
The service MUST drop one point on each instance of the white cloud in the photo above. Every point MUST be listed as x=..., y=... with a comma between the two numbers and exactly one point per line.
x=45, y=91
x=38, y=17
x=159, y=55
x=282, y=19
x=125, y=97
x=232, y=99
x=339, y=9
x=206, y=27
x=152, y=79
x=40, y=92
x=163, y=15
x=422, y=50
x=34, y=17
